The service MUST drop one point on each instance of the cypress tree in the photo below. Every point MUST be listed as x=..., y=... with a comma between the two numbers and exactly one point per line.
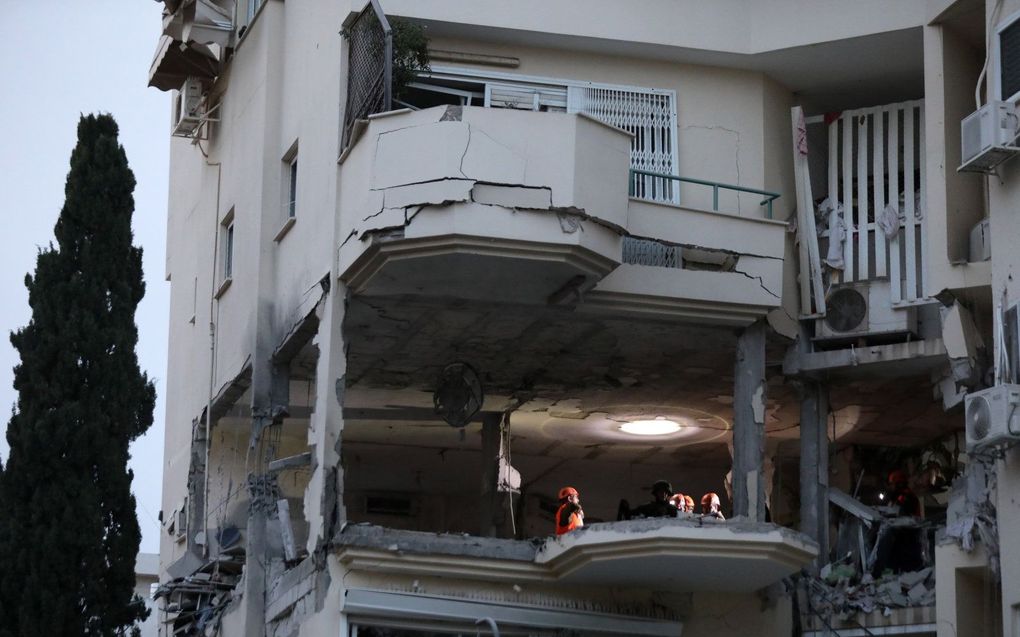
x=69, y=534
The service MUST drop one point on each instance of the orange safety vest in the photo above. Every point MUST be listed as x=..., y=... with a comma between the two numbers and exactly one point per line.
x=574, y=520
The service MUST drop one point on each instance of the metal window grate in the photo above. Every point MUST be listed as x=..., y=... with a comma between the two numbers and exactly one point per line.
x=651, y=253
x=369, y=68
x=650, y=115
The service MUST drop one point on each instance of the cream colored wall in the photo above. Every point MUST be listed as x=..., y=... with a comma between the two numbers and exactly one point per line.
x=967, y=597
x=1004, y=204
x=702, y=614
x=720, y=113
x=718, y=615
x=779, y=177
x=268, y=101
x=728, y=26
x=1008, y=509
x=955, y=200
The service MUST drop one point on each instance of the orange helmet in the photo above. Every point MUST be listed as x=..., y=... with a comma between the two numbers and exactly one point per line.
x=690, y=502
x=709, y=499
x=898, y=476
x=566, y=492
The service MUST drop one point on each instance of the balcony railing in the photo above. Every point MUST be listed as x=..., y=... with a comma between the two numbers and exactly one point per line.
x=659, y=187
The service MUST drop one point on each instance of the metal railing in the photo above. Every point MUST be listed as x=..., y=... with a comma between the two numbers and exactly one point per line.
x=633, y=180
x=369, y=67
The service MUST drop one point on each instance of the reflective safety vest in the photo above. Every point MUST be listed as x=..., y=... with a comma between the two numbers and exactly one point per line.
x=574, y=518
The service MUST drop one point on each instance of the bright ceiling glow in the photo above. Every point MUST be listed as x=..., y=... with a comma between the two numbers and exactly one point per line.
x=657, y=427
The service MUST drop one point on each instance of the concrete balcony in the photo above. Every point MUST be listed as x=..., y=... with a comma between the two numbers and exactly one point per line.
x=656, y=554
x=533, y=208
x=482, y=204
x=732, y=267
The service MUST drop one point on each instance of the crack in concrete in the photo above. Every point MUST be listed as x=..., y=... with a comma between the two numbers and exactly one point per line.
x=467, y=146
x=736, y=152
x=354, y=233
x=419, y=183
x=694, y=246
x=761, y=283
x=376, y=214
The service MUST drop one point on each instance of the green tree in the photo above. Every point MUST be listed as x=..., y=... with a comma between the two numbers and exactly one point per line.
x=69, y=535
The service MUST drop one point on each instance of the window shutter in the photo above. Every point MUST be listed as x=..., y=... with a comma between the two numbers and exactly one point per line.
x=1009, y=60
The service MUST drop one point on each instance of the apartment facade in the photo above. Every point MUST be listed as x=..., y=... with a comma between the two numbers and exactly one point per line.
x=724, y=245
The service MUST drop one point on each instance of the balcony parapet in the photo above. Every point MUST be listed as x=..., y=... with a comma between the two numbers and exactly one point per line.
x=533, y=207
x=657, y=554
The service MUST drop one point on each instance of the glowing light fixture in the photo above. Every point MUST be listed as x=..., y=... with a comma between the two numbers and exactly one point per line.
x=657, y=427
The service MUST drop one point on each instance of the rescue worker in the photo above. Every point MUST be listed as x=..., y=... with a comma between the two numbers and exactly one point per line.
x=711, y=506
x=900, y=548
x=677, y=500
x=570, y=515
x=902, y=495
x=688, y=504
x=660, y=506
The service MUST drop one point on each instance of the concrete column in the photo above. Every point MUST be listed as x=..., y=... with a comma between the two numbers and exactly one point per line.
x=814, y=465
x=490, y=474
x=749, y=423
x=270, y=397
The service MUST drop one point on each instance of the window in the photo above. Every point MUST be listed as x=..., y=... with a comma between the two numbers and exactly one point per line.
x=288, y=190
x=1008, y=57
x=251, y=8
x=292, y=188
x=228, y=252
x=226, y=259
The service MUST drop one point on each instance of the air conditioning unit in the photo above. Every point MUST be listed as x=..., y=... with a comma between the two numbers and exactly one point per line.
x=987, y=137
x=863, y=308
x=980, y=242
x=993, y=416
x=188, y=108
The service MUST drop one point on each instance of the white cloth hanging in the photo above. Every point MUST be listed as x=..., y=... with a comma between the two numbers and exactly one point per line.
x=889, y=221
x=837, y=235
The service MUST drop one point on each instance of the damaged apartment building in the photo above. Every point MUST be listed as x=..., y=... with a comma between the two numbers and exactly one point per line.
x=763, y=250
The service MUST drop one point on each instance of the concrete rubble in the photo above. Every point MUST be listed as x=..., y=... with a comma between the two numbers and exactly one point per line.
x=201, y=591
x=839, y=593
x=971, y=518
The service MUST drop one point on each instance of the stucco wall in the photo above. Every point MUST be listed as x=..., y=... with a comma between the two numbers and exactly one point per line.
x=720, y=113
x=281, y=85
x=730, y=26
x=1004, y=204
x=955, y=200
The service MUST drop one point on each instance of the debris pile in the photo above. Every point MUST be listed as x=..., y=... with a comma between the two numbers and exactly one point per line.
x=200, y=591
x=835, y=593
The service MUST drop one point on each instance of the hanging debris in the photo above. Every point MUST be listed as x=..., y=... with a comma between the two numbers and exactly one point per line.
x=194, y=603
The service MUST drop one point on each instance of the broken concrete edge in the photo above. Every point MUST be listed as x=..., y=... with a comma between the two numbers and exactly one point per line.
x=364, y=535
x=369, y=536
x=229, y=392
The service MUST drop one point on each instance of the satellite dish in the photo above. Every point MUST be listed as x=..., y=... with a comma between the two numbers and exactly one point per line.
x=845, y=309
x=458, y=395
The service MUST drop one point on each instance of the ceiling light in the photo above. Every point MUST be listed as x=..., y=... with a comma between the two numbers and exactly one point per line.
x=657, y=427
